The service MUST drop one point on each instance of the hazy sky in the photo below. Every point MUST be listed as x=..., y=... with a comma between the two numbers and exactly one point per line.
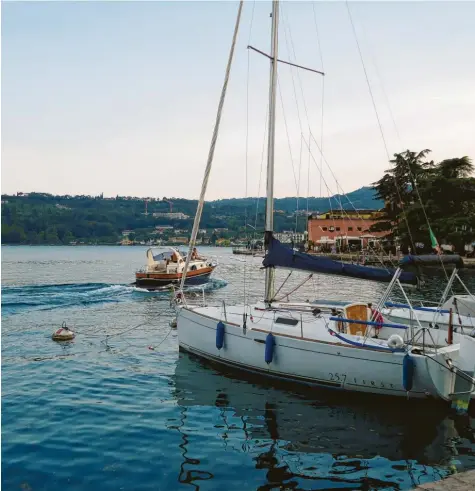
x=121, y=97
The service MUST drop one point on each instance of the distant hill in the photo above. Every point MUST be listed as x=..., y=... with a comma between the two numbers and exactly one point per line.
x=362, y=198
x=41, y=218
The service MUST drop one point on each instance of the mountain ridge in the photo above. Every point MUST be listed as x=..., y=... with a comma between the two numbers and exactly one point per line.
x=43, y=218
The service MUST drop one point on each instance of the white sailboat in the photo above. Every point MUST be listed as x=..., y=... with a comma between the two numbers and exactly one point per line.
x=340, y=349
x=460, y=307
x=456, y=311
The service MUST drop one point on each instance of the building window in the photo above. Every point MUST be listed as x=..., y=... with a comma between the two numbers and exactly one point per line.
x=327, y=216
x=359, y=229
x=350, y=229
x=324, y=229
x=338, y=229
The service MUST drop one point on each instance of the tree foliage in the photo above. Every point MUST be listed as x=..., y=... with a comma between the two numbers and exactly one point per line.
x=42, y=218
x=419, y=193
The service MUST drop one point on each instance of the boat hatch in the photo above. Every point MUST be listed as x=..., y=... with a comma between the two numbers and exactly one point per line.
x=286, y=321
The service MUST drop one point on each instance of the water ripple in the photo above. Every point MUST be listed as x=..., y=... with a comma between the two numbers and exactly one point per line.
x=106, y=412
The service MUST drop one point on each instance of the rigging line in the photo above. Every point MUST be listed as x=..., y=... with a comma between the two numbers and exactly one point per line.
x=399, y=139
x=383, y=90
x=339, y=188
x=300, y=84
x=308, y=181
x=298, y=73
x=299, y=79
x=336, y=199
x=260, y=172
x=331, y=207
x=339, y=201
x=288, y=137
x=298, y=189
x=295, y=289
x=338, y=249
x=321, y=152
x=291, y=53
x=351, y=221
x=321, y=126
x=284, y=22
x=287, y=27
x=425, y=215
x=284, y=282
x=323, y=87
x=314, y=289
x=300, y=122
x=214, y=138
x=247, y=144
x=377, y=117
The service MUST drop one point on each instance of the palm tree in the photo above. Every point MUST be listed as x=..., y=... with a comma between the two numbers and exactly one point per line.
x=456, y=168
x=409, y=168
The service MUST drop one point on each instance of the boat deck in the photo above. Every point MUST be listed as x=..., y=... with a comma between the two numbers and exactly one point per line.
x=298, y=325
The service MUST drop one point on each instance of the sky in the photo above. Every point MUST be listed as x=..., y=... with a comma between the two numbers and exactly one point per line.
x=120, y=98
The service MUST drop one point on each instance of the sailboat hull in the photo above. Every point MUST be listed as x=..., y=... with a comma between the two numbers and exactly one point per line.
x=320, y=363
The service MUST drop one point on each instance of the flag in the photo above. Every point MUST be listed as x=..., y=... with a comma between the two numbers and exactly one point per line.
x=433, y=241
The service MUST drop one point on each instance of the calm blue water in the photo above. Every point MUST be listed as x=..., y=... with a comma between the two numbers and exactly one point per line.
x=107, y=412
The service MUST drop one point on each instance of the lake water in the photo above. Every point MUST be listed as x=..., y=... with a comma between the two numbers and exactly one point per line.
x=107, y=412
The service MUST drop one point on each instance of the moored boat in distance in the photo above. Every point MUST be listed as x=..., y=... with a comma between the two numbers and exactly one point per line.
x=243, y=250
x=166, y=268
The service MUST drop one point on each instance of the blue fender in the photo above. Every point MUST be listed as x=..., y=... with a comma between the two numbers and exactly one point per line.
x=270, y=343
x=219, y=335
x=407, y=372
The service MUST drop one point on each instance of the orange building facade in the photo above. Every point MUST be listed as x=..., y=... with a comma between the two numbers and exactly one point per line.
x=344, y=229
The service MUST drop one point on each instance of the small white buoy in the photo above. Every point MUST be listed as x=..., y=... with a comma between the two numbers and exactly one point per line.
x=63, y=333
x=173, y=323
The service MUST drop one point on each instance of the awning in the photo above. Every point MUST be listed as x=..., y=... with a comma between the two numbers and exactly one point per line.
x=348, y=237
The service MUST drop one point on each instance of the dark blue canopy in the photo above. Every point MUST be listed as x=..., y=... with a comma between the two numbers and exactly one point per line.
x=282, y=257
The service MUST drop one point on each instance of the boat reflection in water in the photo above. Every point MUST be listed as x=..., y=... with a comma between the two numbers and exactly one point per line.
x=312, y=439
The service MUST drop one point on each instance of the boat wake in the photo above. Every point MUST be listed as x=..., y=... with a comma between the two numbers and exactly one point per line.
x=211, y=285
x=19, y=299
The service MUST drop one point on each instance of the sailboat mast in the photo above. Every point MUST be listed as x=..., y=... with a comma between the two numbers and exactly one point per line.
x=270, y=272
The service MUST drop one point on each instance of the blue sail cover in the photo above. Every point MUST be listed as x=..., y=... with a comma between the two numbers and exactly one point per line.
x=282, y=257
x=431, y=260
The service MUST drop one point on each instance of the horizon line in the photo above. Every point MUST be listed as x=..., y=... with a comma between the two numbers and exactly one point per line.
x=27, y=193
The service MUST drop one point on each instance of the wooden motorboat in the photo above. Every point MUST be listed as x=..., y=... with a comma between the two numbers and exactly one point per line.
x=166, y=268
